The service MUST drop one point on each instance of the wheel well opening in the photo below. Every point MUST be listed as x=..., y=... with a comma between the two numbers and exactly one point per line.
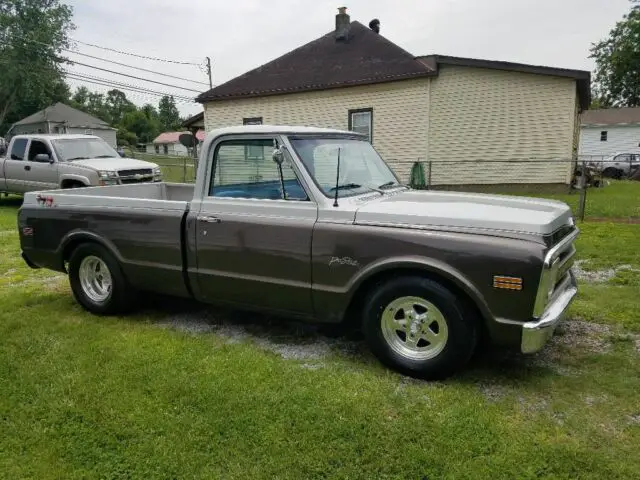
x=71, y=183
x=352, y=316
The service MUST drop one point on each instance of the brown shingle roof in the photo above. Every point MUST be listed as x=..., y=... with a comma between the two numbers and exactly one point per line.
x=611, y=116
x=324, y=63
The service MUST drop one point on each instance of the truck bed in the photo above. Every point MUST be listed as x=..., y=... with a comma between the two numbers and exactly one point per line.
x=166, y=196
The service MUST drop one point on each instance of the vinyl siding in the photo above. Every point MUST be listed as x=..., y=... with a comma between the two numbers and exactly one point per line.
x=510, y=117
x=620, y=138
x=400, y=115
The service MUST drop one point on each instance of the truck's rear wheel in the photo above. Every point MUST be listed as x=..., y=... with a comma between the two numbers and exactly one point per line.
x=419, y=327
x=97, y=281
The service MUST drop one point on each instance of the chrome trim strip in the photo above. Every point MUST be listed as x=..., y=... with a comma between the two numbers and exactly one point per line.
x=555, y=251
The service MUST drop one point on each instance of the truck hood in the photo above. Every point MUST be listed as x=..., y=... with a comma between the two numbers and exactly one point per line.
x=467, y=210
x=115, y=163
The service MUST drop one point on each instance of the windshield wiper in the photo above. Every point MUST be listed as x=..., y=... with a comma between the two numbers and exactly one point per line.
x=346, y=186
x=104, y=156
x=77, y=158
x=388, y=185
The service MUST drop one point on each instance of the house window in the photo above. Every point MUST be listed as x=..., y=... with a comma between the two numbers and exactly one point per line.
x=252, y=152
x=252, y=121
x=165, y=149
x=361, y=121
x=157, y=148
x=603, y=136
x=237, y=175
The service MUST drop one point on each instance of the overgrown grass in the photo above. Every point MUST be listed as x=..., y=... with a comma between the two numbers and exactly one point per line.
x=88, y=397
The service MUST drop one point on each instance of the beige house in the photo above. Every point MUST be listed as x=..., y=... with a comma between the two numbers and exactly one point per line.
x=521, y=122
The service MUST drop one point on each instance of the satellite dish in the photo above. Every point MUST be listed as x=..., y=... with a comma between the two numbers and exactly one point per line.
x=188, y=140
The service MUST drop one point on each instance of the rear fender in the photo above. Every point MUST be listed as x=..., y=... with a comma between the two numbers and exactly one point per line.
x=77, y=237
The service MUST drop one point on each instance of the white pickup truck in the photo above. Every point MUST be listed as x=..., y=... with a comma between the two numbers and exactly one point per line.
x=40, y=161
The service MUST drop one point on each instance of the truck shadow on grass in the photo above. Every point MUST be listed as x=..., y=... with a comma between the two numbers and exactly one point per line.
x=316, y=344
x=11, y=201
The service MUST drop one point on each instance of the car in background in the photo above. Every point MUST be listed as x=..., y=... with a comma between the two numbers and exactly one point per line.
x=619, y=165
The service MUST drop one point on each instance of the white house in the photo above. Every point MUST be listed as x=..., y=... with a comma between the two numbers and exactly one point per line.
x=168, y=143
x=605, y=132
x=510, y=123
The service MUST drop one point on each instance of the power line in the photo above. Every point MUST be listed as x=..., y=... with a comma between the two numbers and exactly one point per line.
x=136, y=55
x=113, y=83
x=131, y=66
x=116, y=63
x=127, y=75
x=131, y=90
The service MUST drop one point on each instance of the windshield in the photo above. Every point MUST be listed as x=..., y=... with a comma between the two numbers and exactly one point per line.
x=83, y=148
x=361, y=168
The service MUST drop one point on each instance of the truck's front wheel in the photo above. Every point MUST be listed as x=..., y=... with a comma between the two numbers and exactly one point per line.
x=97, y=281
x=417, y=326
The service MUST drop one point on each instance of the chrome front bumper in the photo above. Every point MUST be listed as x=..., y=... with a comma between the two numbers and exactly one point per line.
x=536, y=334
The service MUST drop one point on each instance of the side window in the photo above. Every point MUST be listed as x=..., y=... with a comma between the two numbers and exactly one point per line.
x=244, y=169
x=36, y=148
x=604, y=135
x=19, y=146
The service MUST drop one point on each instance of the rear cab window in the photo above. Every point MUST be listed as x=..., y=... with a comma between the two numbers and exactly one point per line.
x=18, y=148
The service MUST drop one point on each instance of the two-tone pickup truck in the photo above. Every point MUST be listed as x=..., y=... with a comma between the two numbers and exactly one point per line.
x=311, y=223
x=43, y=161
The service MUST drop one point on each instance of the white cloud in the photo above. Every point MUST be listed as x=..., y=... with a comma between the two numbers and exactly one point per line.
x=242, y=35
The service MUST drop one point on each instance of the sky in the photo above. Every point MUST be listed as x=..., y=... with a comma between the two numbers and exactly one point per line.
x=242, y=35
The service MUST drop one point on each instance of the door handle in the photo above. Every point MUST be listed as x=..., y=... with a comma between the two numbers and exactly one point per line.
x=209, y=219
x=27, y=167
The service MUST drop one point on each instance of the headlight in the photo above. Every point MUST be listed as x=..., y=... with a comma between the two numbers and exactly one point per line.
x=104, y=174
x=157, y=172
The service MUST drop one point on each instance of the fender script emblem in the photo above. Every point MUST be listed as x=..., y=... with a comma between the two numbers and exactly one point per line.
x=343, y=261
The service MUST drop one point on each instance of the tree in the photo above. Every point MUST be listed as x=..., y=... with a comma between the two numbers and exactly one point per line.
x=169, y=114
x=144, y=127
x=118, y=105
x=617, y=74
x=32, y=34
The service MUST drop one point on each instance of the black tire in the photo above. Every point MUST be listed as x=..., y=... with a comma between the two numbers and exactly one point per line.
x=461, y=326
x=120, y=297
x=611, y=172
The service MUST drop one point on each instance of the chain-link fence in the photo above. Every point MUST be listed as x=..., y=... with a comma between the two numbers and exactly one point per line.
x=594, y=186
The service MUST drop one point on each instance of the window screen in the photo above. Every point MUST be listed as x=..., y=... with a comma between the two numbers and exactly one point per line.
x=361, y=121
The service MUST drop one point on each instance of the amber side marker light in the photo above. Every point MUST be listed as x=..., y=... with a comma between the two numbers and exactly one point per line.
x=507, y=283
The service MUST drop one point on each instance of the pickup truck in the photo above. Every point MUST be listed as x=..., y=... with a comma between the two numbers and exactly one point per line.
x=312, y=224
x=44, y=161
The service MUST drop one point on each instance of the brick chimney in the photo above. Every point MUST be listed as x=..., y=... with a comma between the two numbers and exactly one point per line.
x=343, y=25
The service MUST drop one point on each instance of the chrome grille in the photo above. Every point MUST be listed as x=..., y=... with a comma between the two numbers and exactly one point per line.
x=557, y=263
x=131, y=173
x=135, y=176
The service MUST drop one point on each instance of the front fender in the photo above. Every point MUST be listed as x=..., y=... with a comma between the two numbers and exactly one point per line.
x=74, y=177
x=428, y=265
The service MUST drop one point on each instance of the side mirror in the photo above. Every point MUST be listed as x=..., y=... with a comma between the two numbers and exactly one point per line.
x=43, y=158
x=278, y=155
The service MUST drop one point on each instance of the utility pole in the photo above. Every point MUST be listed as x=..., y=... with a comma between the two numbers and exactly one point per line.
x=209, y=72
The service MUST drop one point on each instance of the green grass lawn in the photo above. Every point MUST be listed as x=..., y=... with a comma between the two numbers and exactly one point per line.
x=619, y=199
x=136, y=397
